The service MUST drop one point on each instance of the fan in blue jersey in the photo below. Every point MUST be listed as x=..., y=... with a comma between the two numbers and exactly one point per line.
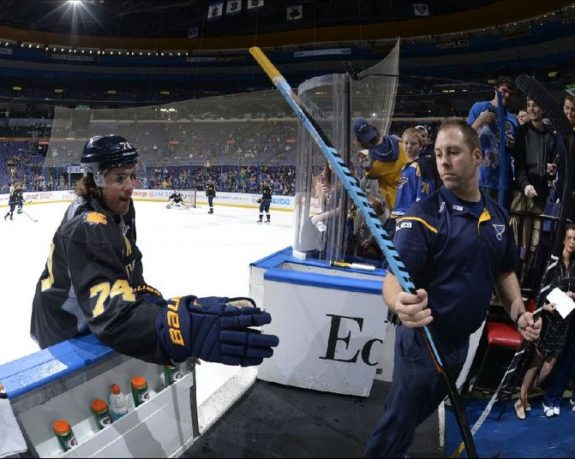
x=417, y=179
x=483, y=118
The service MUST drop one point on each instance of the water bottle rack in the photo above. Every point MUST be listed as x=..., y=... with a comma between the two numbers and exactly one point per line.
x=163, y=426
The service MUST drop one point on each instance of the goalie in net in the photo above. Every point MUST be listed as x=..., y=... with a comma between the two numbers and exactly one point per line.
x=180, y=200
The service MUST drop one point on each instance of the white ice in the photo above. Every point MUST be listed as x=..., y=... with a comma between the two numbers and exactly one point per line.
x=185, y=252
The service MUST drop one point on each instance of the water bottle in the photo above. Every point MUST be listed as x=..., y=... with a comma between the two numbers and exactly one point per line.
x=118, y=405
x=140, y=390
x=101, y=413
x=65, y=435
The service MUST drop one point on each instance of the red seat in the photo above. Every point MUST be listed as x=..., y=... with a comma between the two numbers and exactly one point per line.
x=500, y=335
x=503, y=335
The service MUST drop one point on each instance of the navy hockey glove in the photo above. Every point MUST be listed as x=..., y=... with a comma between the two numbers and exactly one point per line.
x=215, y=329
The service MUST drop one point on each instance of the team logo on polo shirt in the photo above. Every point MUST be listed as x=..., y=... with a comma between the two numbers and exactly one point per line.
x=499, y=231
x=402, y=225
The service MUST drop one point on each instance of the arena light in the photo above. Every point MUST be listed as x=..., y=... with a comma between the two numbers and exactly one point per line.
x=75, y=2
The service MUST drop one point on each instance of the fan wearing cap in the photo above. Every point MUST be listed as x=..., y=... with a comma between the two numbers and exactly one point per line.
x=382, y=158
x=93, y=280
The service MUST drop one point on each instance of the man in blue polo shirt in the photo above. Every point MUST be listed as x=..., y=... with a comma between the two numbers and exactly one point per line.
x=457, y=246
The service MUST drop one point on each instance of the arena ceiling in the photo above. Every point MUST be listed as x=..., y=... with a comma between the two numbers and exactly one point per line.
x=140, y=18
x=185, y=19
x=46, y=44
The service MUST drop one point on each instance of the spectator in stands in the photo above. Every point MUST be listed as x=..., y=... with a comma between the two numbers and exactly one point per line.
x=564, y=370
x=417, y=180
x=445, y=240
x=93, y=281
x=382, y=158
x=522, y=117
x=535, y=167
x=364, y=242
x=560, y=273
x=428, y=153
x=562, y=146
x=569, y=108
x=426, y=142
x=483, y=118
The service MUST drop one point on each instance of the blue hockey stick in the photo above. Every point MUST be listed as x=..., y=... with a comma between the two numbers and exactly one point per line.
x=354, y=190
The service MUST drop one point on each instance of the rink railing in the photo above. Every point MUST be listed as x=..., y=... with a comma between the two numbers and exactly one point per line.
x=248, y=200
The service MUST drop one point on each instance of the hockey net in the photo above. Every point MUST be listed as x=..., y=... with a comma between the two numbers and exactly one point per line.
x=190, y=198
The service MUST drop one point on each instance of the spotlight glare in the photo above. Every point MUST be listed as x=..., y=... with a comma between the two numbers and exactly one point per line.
x=75, y=2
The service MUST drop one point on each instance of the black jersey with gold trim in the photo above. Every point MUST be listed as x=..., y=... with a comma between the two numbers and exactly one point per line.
x=211, y=190
x=87, y=284
x=266, y=193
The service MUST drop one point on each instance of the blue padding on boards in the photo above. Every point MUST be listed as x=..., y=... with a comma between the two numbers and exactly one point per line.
x=282, y=256
x=275, y=259
x=50, y=364
x=536, y=436
x=324, y=281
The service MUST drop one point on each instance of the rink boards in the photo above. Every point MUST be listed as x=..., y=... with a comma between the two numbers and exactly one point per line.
x=248, y=200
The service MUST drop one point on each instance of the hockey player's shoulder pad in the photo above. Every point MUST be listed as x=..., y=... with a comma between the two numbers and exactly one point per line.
x=95, y=218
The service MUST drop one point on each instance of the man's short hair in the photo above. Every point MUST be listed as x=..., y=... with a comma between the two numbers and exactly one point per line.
x=470, y=135
x=505, y=80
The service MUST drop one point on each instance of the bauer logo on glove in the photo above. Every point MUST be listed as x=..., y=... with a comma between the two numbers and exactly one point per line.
x=215, y=329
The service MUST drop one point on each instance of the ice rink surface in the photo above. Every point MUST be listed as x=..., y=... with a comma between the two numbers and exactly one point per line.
x=185, y=251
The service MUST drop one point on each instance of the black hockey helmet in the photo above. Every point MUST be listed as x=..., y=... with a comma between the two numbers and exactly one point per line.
x=104, y=152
